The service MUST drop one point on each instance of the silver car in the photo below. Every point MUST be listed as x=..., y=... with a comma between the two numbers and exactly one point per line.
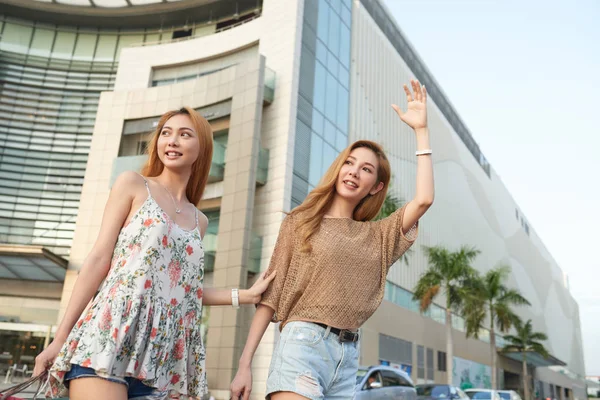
x=434, y=391
x=381, y=382
x=509, y=395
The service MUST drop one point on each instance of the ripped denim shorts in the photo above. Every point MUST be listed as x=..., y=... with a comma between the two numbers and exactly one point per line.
x=312, y=362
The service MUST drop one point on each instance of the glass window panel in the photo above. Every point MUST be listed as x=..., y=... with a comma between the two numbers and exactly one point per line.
x=346, y=16
x=341, y=140
x=331, y=96
x=106, y=47
x=329, y=155
x=323, y=23
x=16, y=37
x=127, y=41
x=64, y=44
x=320, y=87
x=316, y=159
x=329, y=133
x=344, y=76
x=317, y=122
x=336, y=5
x=342, y=109
x=85, y=47
x=152, y=38
x=344, y=53
x=42, y=42
x=333, y=38
x=332, y=63
x=321, y=52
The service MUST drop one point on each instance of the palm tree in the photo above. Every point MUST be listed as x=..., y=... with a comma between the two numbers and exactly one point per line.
x=490, y=298
x=526, y=340
x=391, y=204
x=448, y=273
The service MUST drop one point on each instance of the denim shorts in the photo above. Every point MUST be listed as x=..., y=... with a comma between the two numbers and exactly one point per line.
x=312, y=362
x=135, y=388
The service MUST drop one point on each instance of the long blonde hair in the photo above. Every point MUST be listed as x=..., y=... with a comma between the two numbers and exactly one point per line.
x=200, y=168
x=318, y=201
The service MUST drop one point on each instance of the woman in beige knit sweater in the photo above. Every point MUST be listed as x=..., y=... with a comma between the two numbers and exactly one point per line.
x=331, y=262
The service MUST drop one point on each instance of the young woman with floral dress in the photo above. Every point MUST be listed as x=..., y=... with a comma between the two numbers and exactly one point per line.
x=332, y=262
x=140, y=337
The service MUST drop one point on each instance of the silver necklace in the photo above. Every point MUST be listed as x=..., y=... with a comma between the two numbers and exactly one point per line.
x=177, y=209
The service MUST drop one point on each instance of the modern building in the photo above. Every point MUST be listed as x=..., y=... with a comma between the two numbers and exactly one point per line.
x=286, y=85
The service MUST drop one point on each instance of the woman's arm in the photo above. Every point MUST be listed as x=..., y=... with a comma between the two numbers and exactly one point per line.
x=242, y=383
x=222, y=297
x=416, y=118
x=96, y=265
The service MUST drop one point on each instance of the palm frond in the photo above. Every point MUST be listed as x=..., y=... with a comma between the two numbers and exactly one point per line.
x=538, y=336
x=428, y=297
x=540, y=349
x=511, y=348
x=504, y=317
x=526, y=339
x=512, y=296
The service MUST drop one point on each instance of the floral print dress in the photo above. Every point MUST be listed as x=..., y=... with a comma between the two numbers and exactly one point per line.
x=145, y=321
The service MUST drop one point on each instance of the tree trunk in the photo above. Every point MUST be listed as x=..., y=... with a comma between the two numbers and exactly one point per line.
x=525, y=378
x=449, y=347
x=493, y=349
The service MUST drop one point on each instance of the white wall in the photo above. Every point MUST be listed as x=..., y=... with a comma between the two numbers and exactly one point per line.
x=470, y=207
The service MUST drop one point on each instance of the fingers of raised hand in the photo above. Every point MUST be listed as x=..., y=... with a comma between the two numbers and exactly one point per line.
x=408, y=94
x=417, y=88
x=398, y=110
x=420, y=93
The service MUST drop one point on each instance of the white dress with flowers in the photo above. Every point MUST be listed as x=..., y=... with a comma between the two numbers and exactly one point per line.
x=145, y=321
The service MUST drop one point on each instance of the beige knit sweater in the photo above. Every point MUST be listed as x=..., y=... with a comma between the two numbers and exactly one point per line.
x=341, y=281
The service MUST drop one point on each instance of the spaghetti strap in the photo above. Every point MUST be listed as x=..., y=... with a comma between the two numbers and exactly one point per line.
x=146, y=183
x=196, y=212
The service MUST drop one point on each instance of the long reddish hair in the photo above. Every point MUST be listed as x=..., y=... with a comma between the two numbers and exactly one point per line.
x=200, y=168
x=318, y=201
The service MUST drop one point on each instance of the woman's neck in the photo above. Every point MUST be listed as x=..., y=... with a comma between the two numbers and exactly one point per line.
x=340, y=208
x=175, y=182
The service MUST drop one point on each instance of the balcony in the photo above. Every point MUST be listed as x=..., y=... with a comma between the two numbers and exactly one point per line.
x=255, y=253
x=269, y=92
x=263, y=166
x=210, y=241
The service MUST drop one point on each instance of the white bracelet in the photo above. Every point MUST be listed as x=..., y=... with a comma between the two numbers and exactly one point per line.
x=235, y=298
x=423, y=152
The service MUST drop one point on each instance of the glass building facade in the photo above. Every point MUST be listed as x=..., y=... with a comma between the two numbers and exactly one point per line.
x=323, y=97
x=51, y=78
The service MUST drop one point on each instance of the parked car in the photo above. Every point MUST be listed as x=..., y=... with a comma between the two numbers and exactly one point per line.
x=483, y=394
x=509, y=395
x=381, y=382
x=434, y=391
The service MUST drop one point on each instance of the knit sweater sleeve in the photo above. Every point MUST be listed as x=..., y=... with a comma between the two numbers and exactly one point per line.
x=280, y=261
x=395, y=242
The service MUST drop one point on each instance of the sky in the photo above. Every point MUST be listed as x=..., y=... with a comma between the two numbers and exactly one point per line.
x=525, y=78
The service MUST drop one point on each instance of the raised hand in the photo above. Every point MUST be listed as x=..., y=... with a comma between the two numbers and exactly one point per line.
x=416, y=112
